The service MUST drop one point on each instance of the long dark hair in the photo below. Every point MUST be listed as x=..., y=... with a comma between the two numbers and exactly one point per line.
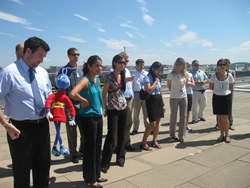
x=91, y=60
x=155, y=65
x=116, y=59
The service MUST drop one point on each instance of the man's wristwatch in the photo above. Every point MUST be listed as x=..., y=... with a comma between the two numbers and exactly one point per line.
x=201, y=82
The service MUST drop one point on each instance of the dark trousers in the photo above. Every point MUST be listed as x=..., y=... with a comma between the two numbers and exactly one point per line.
x=72, y=131
x=92, y=130
x=30, y=151
x=116, y=119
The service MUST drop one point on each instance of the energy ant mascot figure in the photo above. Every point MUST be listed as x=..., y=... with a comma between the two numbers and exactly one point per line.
x=56, y=112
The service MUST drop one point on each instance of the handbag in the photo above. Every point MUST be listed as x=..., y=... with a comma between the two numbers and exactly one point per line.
x=144, y=95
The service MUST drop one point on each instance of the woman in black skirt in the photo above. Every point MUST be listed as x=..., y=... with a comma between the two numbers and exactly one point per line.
x=155, y=106
x=222, y=83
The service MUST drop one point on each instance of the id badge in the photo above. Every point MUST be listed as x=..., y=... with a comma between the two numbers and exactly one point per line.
x=77, y=74
x=101, y=109
x=181, y=91
x=129, y=87
x=156, y=90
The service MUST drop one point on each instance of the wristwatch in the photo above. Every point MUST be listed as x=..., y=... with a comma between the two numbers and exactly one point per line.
x=201, y=82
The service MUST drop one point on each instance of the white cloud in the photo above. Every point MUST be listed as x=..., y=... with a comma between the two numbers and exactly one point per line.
x=12, y=18
x=187, y=37
x=117, y=44
x=129, y=34
x=182, y=26
x=34, y=29
x=37, y=13
x=18, y=1
x=204, y=42
x=142, y=36
x=190, y=45
x=73, y=39
x=144, y=10
x=129, y=22
x=168, y=44
x=129, y=26
x=214, y=49
x=82, y=17
x=1, y=33
x=148, y=19
x=45, y=59
x=99, y=29
x=244, y=48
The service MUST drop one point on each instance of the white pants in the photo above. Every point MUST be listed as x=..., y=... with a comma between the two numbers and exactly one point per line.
x=201, y=99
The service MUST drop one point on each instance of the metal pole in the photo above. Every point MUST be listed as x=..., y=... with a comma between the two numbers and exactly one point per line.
x=124, y=49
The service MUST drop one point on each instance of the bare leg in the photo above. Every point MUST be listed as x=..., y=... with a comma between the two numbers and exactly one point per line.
x=147, y=132
x=156, y=131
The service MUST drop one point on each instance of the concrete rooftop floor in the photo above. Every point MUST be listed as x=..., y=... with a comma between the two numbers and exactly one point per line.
x=200, y=161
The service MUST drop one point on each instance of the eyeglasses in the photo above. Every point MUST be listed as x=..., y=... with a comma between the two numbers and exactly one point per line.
x=188, y=66
x=158, y=70
x=180, y=67
x=74, y=54
x=121, y=62
x=196, y=65
x=222, y=65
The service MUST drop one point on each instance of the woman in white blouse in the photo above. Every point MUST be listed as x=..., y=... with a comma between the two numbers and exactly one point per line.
x=177, y=82
x=222, y=83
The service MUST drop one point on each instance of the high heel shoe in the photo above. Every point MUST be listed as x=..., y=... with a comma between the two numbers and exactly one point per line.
x=145, y=148
x=91, y=185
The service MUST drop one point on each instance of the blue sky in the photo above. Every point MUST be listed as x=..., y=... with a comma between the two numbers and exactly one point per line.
x=159, y=30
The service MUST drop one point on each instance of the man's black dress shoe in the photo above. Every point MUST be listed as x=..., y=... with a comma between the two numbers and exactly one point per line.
x=202, y=119
x=134, y=132
x=130, y=148
x=75, y=159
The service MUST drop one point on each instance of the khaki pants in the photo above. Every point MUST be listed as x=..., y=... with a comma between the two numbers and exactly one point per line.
x=138, y=103
x=201, y=99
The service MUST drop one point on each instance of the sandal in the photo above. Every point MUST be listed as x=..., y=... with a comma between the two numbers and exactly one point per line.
x=221, y=138
x=228, y=140
x=181, y=140
x=145, y=148
x=155, y=145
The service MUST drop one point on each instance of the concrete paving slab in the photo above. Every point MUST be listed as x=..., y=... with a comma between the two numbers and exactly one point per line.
x=219, y=155
x=120, y=184
x=188, y=185
x=132, y=167
x=171, y=175
x=245, y=158
x=166, y=155
x=61, y=182
x=227, y=176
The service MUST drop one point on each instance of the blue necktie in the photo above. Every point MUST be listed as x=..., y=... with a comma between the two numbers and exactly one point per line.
x=39, y=107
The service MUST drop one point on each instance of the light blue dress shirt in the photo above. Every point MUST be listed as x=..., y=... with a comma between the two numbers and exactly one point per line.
x=16, y=89
x=199, y=76
x=150, y=79
x=129, y=91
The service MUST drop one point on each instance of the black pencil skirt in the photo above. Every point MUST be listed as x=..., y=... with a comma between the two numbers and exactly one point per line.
x=154, y=108
x=221, y=104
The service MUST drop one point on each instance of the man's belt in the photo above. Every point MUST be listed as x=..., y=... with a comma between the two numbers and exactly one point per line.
x=202, y=91
x=37, y=121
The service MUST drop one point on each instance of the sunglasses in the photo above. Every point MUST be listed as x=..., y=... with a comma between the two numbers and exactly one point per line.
x=75, y=54
x=196, y=65
x=222, y=65
x=188, y=66
x=121, y=62
x=158, y=70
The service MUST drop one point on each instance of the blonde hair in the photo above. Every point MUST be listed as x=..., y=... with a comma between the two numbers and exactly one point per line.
x=124, y=54
x=180, y=62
